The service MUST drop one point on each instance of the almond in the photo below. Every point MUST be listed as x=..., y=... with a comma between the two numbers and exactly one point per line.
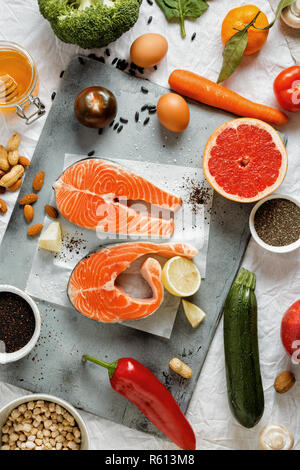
x=35, y=230
x=28, y=213
x=284, y=382
x=51, y=212
x=16, y=186
x=3, y=207
x=38, y=181
x=13, y=142
x=24, y=161
x=28, y=199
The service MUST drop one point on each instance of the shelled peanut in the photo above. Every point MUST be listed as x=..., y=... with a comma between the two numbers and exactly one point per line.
x=12, y=168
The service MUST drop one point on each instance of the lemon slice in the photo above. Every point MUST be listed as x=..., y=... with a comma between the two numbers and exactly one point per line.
x=193, y=313
x=51, y=238
x=181, y=277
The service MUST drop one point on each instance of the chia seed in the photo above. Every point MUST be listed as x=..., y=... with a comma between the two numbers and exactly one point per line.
x=144, y=90
x=193, y=36
x=90, y=154
x=149, y=20
x=146, y=121
x=53, y=95
x=277, y=222
x=136, y=117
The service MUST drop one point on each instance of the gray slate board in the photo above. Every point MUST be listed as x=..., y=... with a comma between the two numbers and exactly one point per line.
x=55, y=365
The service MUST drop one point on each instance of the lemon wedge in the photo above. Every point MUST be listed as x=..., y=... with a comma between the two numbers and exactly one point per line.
x=193, y=313
x=181, y=277
x=51, y=238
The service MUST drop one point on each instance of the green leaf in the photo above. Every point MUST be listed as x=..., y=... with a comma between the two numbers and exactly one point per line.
x=281, y=6
x=233, y=54
x=182, y=9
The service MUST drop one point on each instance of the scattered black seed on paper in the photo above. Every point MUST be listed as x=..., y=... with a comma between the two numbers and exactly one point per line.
x=149, y=20
x=91, y=153
x=112, y=123
x=152, y=110
x=150, y=2
x=100, y=131
x=143, y=108
x=193, y=36
x=146, y=121
x=81, y=61
x=124, y=121
x=133, y=66
x=119, y=130
x=116, y=126
x=132, y=72
x=144, y=90
x=61, y=74
x=114, y=61
x=155, y=67
x=140, y=69
x=107, y=52
x=136, y=117
x=53, y=95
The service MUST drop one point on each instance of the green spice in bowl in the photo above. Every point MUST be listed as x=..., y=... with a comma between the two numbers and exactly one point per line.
x=275, y=223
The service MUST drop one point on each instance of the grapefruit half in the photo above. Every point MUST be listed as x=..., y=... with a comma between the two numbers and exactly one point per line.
x=245, y=160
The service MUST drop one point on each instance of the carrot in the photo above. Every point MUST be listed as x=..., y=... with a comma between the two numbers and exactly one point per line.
x=205, y=91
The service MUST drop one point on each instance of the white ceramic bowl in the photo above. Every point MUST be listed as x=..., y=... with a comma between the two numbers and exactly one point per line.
x=15, y=356
x=274, y=249
x=7, y=409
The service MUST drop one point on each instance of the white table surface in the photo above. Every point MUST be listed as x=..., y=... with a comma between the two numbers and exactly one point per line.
x=278, y=277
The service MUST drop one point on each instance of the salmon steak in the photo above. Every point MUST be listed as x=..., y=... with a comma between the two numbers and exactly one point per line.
x=92, y=289
x=93, y=193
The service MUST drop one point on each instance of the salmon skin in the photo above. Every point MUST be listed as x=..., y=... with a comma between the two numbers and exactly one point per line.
x=92, y=289
x=90, y=194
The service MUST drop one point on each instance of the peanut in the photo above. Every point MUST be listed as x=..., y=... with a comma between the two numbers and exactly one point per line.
x=28, y=199
x=28, y=212
x=16, y=186
x=4, y=165
x=3, y=207
x=51, y=211
x=181, y=368
x=12, y=176
x=38, y=181
x=24, y=161
x=13, y=142
x=35, y=230
x=13, y=157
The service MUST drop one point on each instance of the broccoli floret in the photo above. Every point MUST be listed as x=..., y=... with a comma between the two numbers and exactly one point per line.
x=90, y=23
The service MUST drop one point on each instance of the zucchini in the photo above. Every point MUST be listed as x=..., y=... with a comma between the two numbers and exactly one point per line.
x=244, y=384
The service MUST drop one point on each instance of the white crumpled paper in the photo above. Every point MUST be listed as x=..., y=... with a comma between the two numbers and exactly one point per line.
x=278, y=277
x=50, y=273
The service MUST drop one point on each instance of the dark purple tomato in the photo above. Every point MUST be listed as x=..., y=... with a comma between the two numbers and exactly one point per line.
x=95, y=106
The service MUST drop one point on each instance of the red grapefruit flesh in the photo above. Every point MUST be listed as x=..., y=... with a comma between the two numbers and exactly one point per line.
x=245, y=160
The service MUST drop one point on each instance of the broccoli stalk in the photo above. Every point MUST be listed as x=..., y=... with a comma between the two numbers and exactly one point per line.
x=90, y=23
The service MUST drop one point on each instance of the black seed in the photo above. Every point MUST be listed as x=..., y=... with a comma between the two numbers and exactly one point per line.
x=100, y=131
x=146, y=121
x=193, y=36
x=119, y=130
x=62, y=73
x=150, y=2
x=114, y=61
x=90, y=154
x=143, y=108
x=107, y=52
x=116, y=126
x=155, y=67
x=136, y=117
x=144, y=90
x=124, y=121
x=133, y=66
x=149, y=20
x=152, y=110
x=101, y=59
x=112, y=123
x=122, y=64
x=53, y=95
x=132, y=72
x=81, y=61
x=140, y=69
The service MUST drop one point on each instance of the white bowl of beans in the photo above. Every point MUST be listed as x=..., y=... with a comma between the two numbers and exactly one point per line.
x=280, y=222
x=42, y=422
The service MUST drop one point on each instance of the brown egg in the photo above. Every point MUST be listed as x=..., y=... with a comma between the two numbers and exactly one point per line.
x=149, y=49
x=173, y=112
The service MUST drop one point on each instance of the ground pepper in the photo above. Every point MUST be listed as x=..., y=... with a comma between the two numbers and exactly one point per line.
x=17, y=322
x=277, y=222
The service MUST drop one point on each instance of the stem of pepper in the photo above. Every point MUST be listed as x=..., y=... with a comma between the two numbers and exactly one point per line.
x=111, y=367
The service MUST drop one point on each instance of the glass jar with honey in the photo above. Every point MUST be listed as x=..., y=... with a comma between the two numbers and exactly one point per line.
x=19, y=83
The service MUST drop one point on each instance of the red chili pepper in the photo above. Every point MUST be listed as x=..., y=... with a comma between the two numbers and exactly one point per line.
x=137, y=383
x=287, y=89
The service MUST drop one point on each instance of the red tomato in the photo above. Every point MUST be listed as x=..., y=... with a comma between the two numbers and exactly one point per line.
x=290, y=331
x=287, y=89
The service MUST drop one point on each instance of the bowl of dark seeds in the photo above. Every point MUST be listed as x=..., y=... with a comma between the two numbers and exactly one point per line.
x=20, y=324
x=275, y=223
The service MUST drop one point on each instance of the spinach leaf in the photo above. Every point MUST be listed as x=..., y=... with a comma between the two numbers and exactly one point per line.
x=182, y=9
x=233, y=54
